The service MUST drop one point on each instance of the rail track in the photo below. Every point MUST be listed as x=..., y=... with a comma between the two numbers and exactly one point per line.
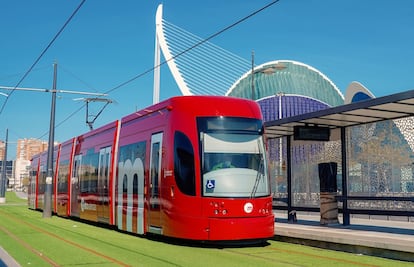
x=35, y=241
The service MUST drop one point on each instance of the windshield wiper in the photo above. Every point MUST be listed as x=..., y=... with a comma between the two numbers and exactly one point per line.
x=259, y=171
x=258, y=177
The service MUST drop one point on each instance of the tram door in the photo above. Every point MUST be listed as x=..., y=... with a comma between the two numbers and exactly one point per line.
x=103, y=184
x=155, y=175
x=75, y=186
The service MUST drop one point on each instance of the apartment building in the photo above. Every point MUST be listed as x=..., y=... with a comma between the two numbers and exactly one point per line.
x=26, y=149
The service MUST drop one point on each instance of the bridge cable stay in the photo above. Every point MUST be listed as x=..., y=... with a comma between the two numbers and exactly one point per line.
x=198, y=66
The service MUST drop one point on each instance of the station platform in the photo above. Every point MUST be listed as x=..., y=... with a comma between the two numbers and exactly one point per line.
x=377, y=237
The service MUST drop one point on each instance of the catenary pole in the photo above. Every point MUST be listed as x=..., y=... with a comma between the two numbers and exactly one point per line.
x=3, y=179
x=47, y=203
x=47, y=209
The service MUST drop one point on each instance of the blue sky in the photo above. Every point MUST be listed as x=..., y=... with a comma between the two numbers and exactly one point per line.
x=109, y=42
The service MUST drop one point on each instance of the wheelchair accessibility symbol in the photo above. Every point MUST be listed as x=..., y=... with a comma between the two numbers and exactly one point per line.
x=211, y=184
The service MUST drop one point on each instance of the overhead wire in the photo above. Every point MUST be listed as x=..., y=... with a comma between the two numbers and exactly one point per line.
x=66, y=119
x=13, y=75
x=207, y=69
x=77, y=78
x=41, y=54
x=194, y=46
x=172, y=58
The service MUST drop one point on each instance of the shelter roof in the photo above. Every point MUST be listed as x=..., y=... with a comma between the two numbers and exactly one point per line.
x=396, y=106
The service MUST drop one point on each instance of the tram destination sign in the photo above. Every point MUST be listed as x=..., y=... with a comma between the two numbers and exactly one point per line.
x=311, y=133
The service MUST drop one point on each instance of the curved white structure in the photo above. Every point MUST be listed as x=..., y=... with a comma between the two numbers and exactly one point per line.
x=198, y=66
x=355, y=88
x=161, y=42
x=357, y=92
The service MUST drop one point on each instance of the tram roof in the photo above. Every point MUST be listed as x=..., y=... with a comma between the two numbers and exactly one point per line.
x=396, y=106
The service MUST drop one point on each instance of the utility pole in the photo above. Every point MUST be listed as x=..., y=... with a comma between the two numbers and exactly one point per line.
x=47, y=203
x=253, y=89
x=3, y=179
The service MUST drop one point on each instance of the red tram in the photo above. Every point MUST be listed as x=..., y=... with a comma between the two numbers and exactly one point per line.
x=163, y=170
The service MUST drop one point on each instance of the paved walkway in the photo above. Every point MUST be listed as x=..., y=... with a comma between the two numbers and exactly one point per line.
x=21, y=194
x=390, y=239
x=6, y=260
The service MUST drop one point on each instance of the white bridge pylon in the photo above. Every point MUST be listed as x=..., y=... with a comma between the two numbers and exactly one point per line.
x=198, y=67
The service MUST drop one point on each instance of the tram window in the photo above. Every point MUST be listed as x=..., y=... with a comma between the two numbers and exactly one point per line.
x=125, y=184
x=135, y=184
x=63, y=176
x=184, y=169
x=89, y=173
x=154, y=169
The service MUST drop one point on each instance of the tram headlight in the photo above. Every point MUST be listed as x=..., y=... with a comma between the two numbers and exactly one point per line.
x=218, y=208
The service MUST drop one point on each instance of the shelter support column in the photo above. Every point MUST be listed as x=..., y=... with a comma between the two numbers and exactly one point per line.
x=345, y=211
x=291, y=213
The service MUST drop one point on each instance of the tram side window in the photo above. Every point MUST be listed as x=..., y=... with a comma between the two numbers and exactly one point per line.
x=42, y=179
x=125, y=184
x=135, y=185
x=89, y=174
x=184, y=169
x=63, y=176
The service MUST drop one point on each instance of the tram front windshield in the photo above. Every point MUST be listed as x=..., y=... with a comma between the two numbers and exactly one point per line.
x=233, y=158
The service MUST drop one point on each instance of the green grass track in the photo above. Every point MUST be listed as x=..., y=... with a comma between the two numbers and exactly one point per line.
x=36, y=241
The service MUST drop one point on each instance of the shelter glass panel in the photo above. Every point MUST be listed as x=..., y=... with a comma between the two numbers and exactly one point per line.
x=381, y=164
x=306, y=157
x=278, y=169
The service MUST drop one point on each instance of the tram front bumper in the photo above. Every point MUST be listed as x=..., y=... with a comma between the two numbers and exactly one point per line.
x=242, y=228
